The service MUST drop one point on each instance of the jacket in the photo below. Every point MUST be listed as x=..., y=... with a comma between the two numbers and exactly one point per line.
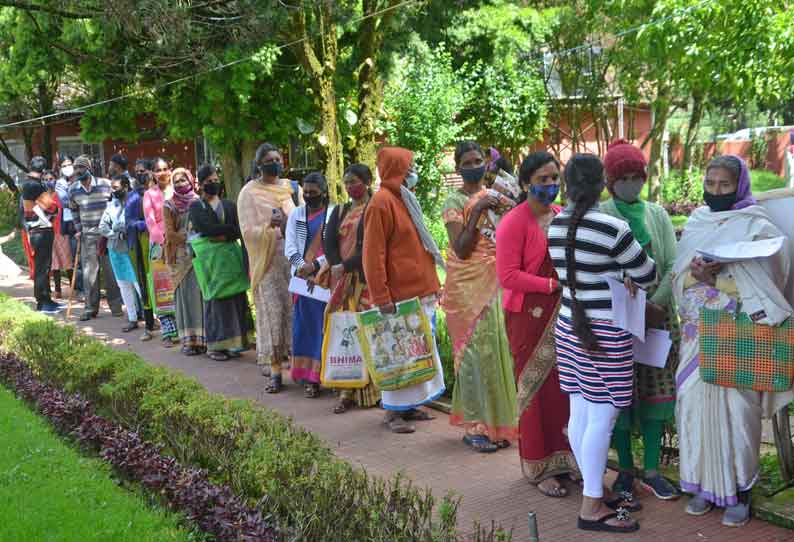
x=113, y=226
x=396, y=265
x=204, y=220
x=296, y=237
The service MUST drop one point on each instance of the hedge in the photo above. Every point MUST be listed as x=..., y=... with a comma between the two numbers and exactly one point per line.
x=289, y=472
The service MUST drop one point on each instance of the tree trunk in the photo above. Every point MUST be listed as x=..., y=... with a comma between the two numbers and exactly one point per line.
x=695, y=116
x=661, y=112
x=45, y=108
x=236, y=166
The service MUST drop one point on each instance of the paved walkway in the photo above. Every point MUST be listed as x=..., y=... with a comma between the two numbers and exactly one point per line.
x=492, y=486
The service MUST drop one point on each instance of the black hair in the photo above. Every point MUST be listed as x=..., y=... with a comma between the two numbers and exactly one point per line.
x=317, y=178
x=160, y=159
x=260, y=154
x=584, y=181
x=123, y=179
x=533, y=162
x=205, y=171
x=731, y=163
x=361, y=171
x=47, y=172
x=147, y=163
x=465, y=146
x=121, y=160
x=38, y=164
x=504, y=164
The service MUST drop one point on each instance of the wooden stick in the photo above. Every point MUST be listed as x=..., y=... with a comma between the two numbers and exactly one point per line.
x=74, y=278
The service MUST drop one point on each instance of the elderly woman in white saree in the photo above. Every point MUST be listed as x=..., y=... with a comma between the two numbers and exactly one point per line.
x=719, y=428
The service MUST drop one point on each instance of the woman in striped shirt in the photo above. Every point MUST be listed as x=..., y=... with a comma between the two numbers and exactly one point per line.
x=594, y=356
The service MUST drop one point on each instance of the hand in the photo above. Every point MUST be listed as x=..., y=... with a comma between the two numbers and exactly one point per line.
x=631, y=286
x=337, y=272
x=655, y=315
x=705, y=272
x=388, y=308
x=306, y=270
x=77, y=234
x=488, y=202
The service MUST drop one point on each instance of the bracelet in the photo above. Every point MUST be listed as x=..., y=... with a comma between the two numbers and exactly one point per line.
x=551, y=285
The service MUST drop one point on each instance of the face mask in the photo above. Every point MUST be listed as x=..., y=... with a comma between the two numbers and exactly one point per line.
x=83, y=176
x=544, y=193
x=186, y=188
x=719, y=202
x=473, y=174
x=141, y=178
x=51, y=185
x=313, y=202
x=411, y=179
x=273, y=169
x=357, y=191
x=212, y=189
x=628, y=191
x=67, y=171
x=119, y=194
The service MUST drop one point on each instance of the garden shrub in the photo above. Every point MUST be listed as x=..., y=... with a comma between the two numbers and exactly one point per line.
x=258, y=453
x=9, y=211
x=444, y=343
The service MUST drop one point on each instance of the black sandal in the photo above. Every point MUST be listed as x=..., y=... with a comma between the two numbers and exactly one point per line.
x=218, y=355
x=624, y=500
x=601, y=524
x=416, y=415
x=343, y=406
x=311, y=391
x=479, y=443
x=275, y=385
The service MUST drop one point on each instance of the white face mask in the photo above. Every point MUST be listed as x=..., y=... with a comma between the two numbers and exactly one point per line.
x=411, y=179
x=67, y=171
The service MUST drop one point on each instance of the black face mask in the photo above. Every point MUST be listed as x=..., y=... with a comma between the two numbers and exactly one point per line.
x=83, y=176
x=719, y=202
x=273, y=169
x=313, y=202
x=473, y=175
x=212, y=189
x=120, y=194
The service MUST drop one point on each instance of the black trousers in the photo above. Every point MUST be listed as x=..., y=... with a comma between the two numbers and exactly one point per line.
x=41, y=243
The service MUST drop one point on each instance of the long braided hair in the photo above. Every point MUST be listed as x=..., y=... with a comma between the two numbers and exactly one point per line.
x=584, y=181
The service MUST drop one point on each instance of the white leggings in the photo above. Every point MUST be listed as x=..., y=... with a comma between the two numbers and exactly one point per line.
x=589, y=432
x=129, y=295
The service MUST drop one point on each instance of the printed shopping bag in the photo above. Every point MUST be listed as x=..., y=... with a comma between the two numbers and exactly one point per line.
x=343, y=361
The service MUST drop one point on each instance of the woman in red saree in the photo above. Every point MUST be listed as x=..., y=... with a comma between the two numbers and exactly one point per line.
x=531, y=301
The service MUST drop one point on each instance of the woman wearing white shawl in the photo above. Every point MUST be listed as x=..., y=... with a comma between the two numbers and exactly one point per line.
x=719, y=428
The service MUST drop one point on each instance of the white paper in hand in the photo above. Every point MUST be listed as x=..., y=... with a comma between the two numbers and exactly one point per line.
x=654, y=350
x=301, y=287
x=628, y=313
x=744, y=250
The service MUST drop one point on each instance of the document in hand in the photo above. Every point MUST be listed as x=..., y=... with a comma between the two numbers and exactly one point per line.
x=628, y=313
x=744, y=250
x=655, y=349
x=300, y=286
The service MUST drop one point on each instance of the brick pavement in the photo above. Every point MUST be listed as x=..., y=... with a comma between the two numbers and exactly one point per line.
x=492, y=486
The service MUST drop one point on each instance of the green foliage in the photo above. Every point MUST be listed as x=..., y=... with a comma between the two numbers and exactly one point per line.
x=422, y=103
x=259, y=453
x=759, y=145
x=684, y=187
x=444, y=343
x=9, y=211
x=763, y=180
x=50, y=490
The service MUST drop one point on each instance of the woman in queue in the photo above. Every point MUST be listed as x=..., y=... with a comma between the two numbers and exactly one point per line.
x=719, y=428
x=531, y=302
x=264, y=205
x=595, y=357
x=343, y=247
x=654, y=403
x=484, y=397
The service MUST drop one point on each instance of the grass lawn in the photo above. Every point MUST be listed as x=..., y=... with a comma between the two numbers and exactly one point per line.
x=52, y=493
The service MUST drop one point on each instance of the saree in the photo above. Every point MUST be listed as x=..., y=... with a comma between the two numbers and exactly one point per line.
x=350, y=293
x=719, y=428
x=309, y=316
x=269, y=268
x=484, y=397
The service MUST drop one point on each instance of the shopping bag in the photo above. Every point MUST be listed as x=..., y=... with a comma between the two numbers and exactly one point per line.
x=219, y=268
x=162, y=288
x=343, y=361
x=398, y=348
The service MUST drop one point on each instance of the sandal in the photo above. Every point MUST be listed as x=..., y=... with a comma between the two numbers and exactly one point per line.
x=558, y=492
x=416, y=415
x=398, y=424
x=601, y=524
x=193, y=352
x=311, y=391
x=502, y=444
x=275, y=385
x=343, y=406
x=479, y=443
x=217, y=355
x=233, y=355
x=624, y=500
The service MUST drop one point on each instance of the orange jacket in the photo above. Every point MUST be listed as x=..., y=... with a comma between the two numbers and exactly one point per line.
x=396, y=265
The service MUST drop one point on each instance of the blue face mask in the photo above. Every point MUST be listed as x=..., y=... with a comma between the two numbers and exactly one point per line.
x=472, y=175
x=544, y=193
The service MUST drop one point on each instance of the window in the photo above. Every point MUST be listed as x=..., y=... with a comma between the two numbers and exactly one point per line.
x=17, y=149
x=303, y=155
x=74, y=147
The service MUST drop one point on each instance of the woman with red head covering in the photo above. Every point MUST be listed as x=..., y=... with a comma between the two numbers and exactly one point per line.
x=654, y=404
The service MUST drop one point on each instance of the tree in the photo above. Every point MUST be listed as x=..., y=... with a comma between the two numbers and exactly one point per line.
x=422, y=103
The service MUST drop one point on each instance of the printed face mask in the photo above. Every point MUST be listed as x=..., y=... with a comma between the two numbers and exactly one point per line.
x=544, y=193
x=628, y=191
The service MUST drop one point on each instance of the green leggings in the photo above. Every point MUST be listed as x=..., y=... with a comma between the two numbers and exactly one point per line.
x=652, y=439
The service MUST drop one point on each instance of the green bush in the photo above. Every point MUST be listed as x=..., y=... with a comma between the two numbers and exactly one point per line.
x=685, y=187
x=259, y=453
x=9, y=211
x=763, y=180
x=444, y=343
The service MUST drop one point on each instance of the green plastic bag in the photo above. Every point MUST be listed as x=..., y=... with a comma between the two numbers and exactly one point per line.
x=219, y=268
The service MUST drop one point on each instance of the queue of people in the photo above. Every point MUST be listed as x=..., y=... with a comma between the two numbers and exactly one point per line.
x=539, y=359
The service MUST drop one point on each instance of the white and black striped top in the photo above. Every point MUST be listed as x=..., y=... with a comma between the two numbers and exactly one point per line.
x=604, y=247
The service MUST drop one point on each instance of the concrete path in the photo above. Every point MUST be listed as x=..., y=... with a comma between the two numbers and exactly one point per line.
x=492, y=486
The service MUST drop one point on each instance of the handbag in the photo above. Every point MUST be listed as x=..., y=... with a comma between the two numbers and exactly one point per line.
x=735, y=352
x=343, y=361
x=219, y=268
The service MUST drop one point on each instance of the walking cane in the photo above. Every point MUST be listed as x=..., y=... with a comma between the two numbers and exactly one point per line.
x=74, y=278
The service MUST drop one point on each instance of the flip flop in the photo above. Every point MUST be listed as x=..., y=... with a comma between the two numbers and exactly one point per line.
x=275, y=385
x=555, y=493
x=601, y=524
x=502, y=444
x=480, y=443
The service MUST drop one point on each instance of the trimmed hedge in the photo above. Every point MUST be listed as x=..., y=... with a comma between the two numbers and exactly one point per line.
x=260, y=454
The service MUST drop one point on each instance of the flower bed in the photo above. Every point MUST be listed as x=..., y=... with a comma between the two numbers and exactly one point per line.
x=290, y=473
